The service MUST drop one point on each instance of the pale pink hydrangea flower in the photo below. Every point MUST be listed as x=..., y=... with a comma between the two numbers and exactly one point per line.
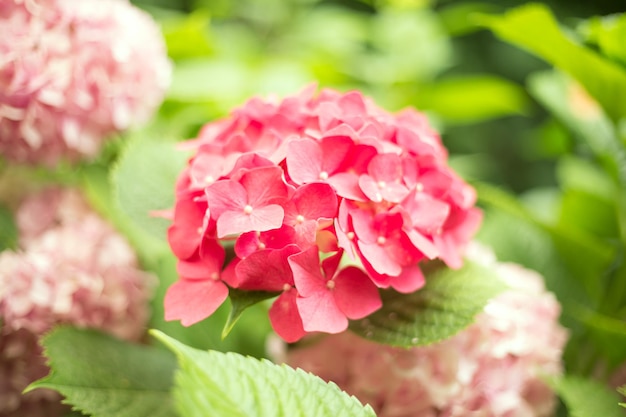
x=494, y=368
x=73, y=72
x=72, y=268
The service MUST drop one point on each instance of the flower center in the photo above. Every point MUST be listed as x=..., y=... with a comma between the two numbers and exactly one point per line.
x=300, y=219
x=323, y=175
x=330, y=284
x=381, y=240
x=350, y=235
x=286, y=287
x=247, y=209
x=215, y=276
x=381, y=184
x=419, y=187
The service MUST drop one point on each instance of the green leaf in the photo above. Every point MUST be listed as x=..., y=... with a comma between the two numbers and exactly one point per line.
x=103, y=376
x=231, y=385
x=608, y=32
x=143, y=180
x=240, y=301
x=8, y=230
x=447, y=304
x=189, y=36
x=566, y=100
x=473, y=98
x=587, y=257
x=587, y=398
x=533, y=27
x=622, y=390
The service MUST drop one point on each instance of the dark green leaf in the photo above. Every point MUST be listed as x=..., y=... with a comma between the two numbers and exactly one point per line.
x=447, y=304
x=240, y=301
x=103, y=376
x=231, y=385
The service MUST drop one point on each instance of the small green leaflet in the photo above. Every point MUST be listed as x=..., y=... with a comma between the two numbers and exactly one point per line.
x=587, y=398
x=533, y=27
x=446, y=305
x=216, y=384
x=8, y=230
x=622, y=390
x=240, y=301
x=103, y=376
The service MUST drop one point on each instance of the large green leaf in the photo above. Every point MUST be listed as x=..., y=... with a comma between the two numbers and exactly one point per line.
x=608, y=32
x=103, y=376
x=587, y=398
x=447, y=304
x=231, y=385
x=533, y=27
x=143, y=180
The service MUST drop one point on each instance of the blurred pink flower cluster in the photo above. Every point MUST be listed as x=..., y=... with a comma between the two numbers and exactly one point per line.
x=73, y=72
x=71, y=267
x=301, y=186
x=494, y=368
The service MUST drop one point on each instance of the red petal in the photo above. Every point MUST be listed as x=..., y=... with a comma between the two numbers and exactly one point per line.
x=185, y=234
x=314, y=201
x=191, y=301
x=380, y=259
x=355, y=294
x=285, y=317
x=207, y=266
x=266, y=270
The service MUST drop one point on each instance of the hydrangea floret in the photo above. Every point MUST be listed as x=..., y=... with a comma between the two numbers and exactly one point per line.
x=324, y=198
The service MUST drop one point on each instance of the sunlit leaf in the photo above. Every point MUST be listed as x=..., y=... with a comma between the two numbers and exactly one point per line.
x=473, y=98
x=231, y=385
x=533, y=27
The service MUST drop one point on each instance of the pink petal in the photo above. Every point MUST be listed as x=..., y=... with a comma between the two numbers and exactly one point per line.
x=314, y=201
x=385, y=167
x=355, y=294
x=205, y=266
x=224, y=196
x=307, y=274
x=335, y=150
x=427, y=214
x=191, y=301
x=185, y=233
x=423, y=244
x=260, y=219
x=411, y=279
x=347, y=185
x=266, y=270
x=304, y=160
x=285, y=317
x=320, y=313
x=378, y=256
x=264, y=186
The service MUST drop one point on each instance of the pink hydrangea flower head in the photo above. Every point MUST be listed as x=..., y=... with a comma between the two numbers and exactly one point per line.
x=22, y=362
x=336, y=180
x=493, y=368
x=72, y=73
x=55, y=277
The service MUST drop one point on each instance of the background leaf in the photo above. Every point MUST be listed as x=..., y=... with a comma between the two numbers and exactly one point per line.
x=231, y=385
x=8, y=230
x=587, y=398
x=446, y=305
x=103, y=376
x=143, y=180
x=533, y=28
